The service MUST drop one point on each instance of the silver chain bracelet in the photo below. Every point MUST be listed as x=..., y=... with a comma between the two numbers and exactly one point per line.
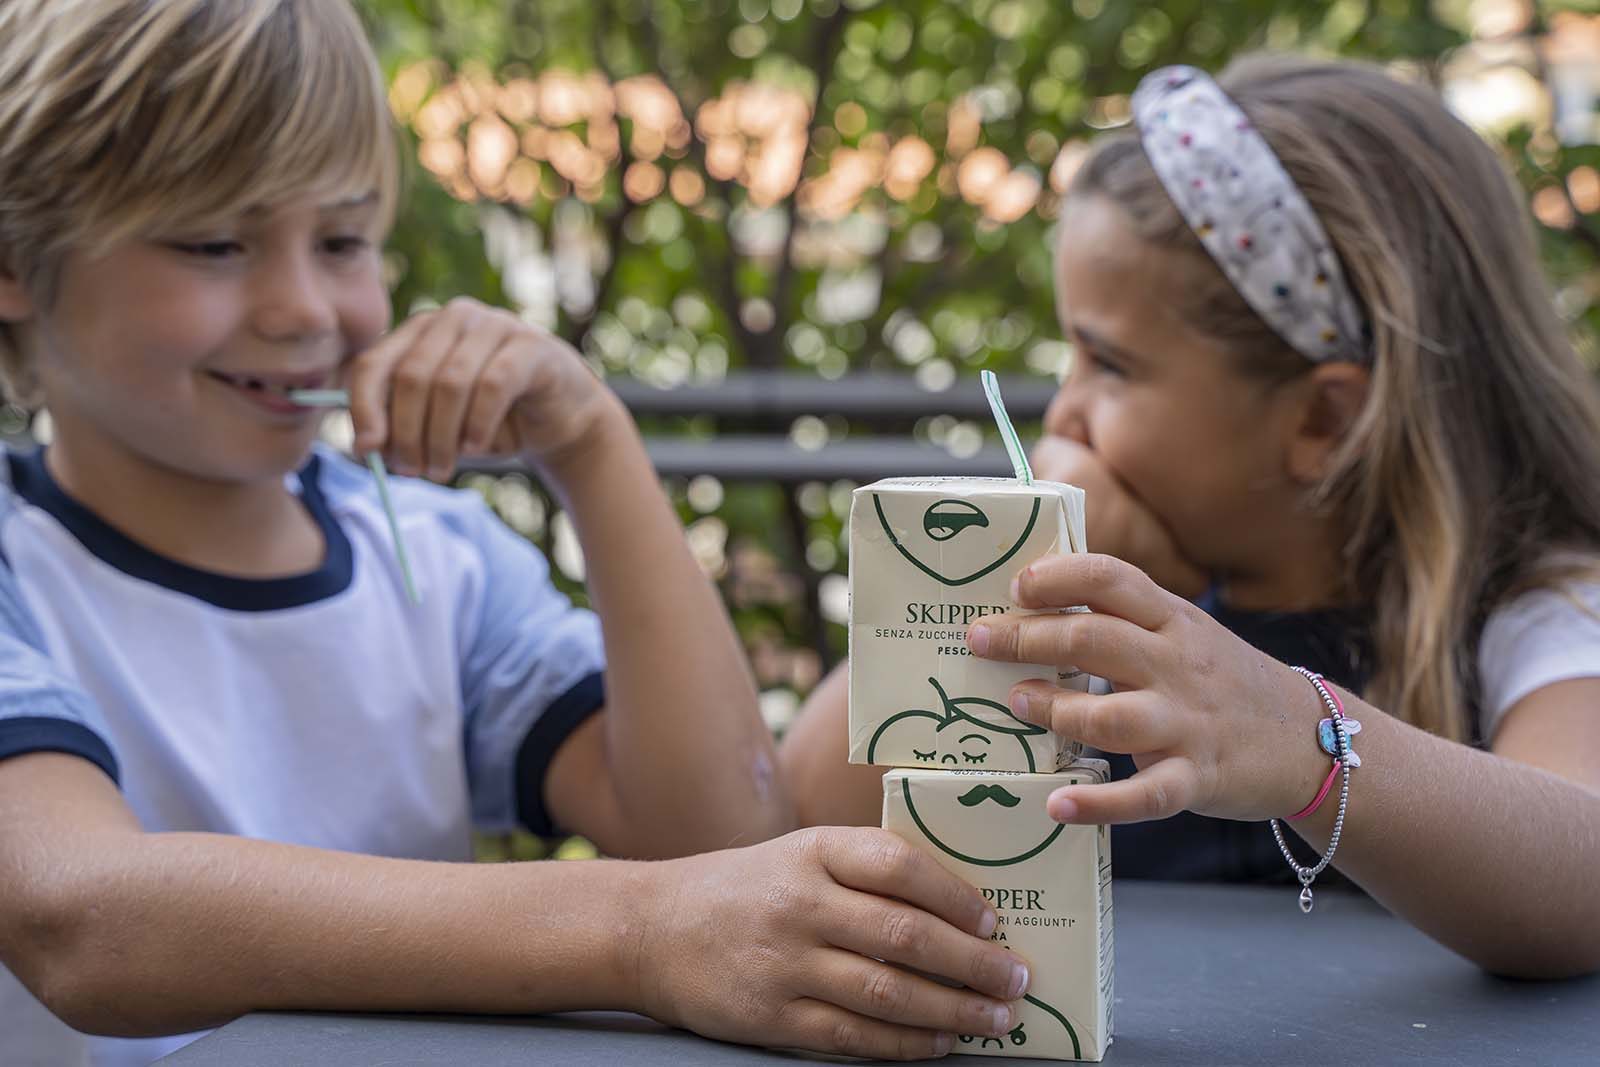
x=1345, y=758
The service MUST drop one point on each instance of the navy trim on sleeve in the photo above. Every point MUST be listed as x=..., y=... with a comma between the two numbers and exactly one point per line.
x=545, y=738
x=43, y=733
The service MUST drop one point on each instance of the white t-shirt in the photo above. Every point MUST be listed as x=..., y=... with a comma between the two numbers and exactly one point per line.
x=323, y=709
x=1540, y=638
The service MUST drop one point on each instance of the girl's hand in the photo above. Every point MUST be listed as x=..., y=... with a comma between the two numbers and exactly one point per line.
x=1119, y=523
x=1213, y=725
x=471, y=380
x=784, y=944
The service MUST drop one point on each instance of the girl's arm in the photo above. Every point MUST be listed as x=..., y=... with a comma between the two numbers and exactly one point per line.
x=828, y=789
x=1491, y=855
x=124, y=932
x=1496, y=855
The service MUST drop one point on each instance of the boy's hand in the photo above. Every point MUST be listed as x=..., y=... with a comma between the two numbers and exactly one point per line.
x=1119, y=524
x=782, y=944
x=471, y=380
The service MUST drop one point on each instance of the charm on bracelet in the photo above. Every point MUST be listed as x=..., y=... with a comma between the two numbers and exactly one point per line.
x=1330, y=741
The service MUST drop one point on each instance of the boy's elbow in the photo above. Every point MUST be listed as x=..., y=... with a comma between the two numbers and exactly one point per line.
x=56, y=947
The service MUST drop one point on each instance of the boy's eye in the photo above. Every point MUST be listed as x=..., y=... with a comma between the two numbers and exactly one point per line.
x=208, y=249
x=926, y=756
x=979, y=758
x=345, y=244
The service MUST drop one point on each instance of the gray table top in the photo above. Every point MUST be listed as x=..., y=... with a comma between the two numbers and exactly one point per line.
x=1205, y=974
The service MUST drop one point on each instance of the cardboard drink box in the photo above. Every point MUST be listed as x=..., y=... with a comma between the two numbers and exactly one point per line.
x=1050, y=886
x=928, y=557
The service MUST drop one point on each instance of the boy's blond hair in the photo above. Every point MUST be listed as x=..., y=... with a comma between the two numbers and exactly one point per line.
x=121, y=118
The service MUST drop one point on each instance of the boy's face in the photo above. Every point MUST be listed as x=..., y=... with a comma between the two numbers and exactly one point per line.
x=177, y=349
x=1193, y=440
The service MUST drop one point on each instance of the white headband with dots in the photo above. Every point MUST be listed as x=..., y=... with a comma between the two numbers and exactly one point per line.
x=1248, y=213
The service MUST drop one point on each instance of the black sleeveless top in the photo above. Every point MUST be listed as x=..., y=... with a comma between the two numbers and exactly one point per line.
x=1195, y=848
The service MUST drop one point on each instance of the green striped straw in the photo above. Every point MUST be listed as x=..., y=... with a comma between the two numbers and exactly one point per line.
x=1008, y=432
x=340, y=398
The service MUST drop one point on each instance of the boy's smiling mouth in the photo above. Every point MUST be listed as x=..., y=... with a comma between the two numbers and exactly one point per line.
x=272, y=391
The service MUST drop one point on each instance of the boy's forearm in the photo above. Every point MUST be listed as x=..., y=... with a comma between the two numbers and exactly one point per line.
x=202, y=928
x=692, y=762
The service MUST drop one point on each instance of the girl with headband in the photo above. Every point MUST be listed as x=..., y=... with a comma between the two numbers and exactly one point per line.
x=1321, y=391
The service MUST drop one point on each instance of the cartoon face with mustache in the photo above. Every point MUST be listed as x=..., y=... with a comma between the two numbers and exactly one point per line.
x=982, y=823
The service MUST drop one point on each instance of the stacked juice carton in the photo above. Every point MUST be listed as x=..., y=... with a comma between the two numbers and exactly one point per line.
x=928, y=557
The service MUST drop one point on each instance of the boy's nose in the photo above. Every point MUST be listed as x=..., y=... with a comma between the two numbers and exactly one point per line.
x=293, y=302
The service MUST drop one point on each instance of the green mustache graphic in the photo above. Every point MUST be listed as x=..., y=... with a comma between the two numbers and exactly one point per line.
x=979, y=793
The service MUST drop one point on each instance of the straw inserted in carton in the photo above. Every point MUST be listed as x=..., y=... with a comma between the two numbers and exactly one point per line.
x=1008, y=432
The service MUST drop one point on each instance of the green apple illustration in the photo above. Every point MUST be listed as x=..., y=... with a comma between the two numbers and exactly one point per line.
x=961, y=733
x=1042, y=1019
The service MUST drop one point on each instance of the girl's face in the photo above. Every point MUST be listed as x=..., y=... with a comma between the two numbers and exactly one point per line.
x=1202, y=447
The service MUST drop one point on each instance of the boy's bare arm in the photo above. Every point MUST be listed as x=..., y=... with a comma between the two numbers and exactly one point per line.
x=681, y=761
x=124, y=932
x=689, y=762
x=828, y=789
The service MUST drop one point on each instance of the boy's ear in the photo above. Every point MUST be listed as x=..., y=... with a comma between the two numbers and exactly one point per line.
x=15, y=304
x=1332, y=398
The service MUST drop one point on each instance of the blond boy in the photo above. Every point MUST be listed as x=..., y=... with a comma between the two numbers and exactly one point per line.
x=228, y=743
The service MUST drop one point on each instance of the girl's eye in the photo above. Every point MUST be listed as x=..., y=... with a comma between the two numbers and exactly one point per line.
x=1100, y=363
x=925, y=756
x=979, y=758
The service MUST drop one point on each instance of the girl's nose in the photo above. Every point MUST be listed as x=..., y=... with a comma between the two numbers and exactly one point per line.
x=1065, y=416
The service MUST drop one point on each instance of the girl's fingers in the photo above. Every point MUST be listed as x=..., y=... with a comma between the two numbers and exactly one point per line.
x=882, y=991
x=411, y=382
x=824, y=1027
x=368, y=383
x=1104, y=584
x=454, y=383
x=1134, y=721
x=873, y=927
x=1160, y=790
x=1104, y=645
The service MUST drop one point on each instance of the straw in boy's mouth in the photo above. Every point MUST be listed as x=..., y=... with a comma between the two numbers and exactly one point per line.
x=259, y=385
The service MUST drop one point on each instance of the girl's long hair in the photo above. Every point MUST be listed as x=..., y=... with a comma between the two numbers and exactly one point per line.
x=1473, y=472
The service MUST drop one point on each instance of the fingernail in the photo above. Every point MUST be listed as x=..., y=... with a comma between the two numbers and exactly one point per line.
x=1019, y=706
x=978, y=639
x=943, y=1043
x=1000, y=1019
x=1061, y=807
x=1016, y=590
x=1019, y=980
x=987, y=923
